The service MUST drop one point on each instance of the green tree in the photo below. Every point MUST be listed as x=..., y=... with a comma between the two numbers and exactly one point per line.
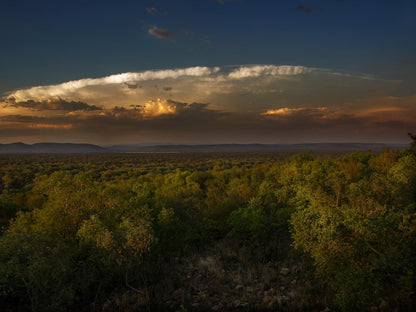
x=361, y=241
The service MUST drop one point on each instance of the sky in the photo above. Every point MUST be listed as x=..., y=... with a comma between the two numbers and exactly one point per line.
x=210, y=71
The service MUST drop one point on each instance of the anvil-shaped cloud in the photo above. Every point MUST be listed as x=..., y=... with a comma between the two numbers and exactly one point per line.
x=249, y=103
x=63, y=89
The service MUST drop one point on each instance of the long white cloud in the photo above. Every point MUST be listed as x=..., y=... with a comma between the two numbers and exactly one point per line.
x=216, y=73
x=268, y=70
x=45, y=92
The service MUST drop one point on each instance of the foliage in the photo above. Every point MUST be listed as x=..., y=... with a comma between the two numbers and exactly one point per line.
x=358, y=225
x=107, y=224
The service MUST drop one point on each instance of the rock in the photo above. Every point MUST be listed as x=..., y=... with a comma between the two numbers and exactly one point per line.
x=178, y=293
x=107, y=305
x=384, y=306
x=284, y=271
x=239, y=286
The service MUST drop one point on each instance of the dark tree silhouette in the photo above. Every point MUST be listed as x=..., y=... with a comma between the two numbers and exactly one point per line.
x=413, y=143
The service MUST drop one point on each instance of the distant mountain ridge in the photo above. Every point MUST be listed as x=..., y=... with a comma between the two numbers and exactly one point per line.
x=22, y=148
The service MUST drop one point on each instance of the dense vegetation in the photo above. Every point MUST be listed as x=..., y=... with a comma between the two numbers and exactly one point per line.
x=94, y=232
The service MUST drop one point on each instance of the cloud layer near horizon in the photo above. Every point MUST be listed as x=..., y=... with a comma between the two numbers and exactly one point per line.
x=251, y=103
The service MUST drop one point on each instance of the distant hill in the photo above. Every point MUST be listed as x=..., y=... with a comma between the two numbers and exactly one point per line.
x=318, y=147
x=21, y=148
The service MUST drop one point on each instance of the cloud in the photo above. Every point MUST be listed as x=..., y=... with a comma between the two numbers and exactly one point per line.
x=152, y=10
x=161, y=33
x=155, y=11
x=307, y=10
x=224, y=1
x=233, y=88
x=131, y=85
x=50, y=126
x=381, y=116
x=256, y=103
x=160, y=107
x=304, y=117
x=267, y=70
x=130, y=78
x=153, y=109
x=256, y=88
x=22, y=119
x=53, y=104
x=169, y=121
x=33, y=122
x=393, y=124
x=291, y=111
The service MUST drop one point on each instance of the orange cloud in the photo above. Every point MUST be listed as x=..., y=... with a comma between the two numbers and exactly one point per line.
x=26, y=125
x=290, y=111
x=50, y=126
x=159, y=107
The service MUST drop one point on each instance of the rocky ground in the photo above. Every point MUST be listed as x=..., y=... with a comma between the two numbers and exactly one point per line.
x=227, y=278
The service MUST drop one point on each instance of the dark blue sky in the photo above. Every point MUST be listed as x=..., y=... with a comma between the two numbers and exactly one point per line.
x=208, y=71
x=47, y=42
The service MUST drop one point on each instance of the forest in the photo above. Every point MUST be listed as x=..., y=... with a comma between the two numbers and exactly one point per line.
x=208, y=232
